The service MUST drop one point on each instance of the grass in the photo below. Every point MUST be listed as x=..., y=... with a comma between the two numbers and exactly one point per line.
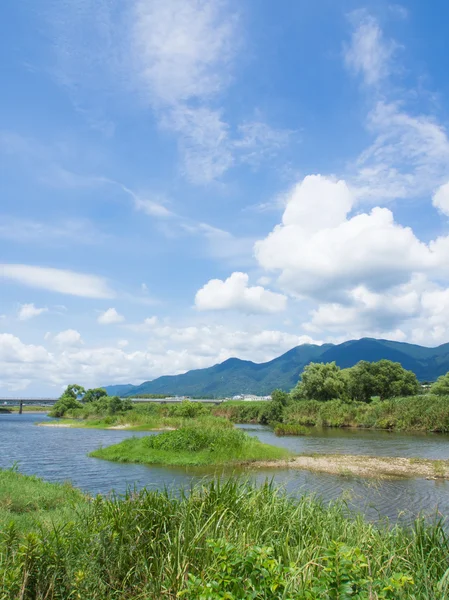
x=425, y=413
x=221, y=540
x=282, y=429
x=27, y=500
x=415, y=413
x=26, y=409
x=210, y=443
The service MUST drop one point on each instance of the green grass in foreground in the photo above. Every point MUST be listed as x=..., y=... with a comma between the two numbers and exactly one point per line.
x=194, y=445
x=219, y=540
x=28, y=501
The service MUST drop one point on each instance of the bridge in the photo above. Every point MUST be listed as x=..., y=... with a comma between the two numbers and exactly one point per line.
x=5, y=402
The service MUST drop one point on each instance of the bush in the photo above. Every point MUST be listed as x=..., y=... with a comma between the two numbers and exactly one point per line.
x=188, y=409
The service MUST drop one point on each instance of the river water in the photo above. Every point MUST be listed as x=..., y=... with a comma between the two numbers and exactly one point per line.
x=60, y=454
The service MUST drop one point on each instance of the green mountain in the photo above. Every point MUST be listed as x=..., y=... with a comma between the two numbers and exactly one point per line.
x=235, y=376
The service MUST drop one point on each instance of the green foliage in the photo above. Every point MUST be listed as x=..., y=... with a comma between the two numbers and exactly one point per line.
x=385, y=379
x=65, y=403
x=94, y=394
x=188, y=409
x=233, y=574
x=441, y=386
x=219, y=540
x=321, y=381
x=416, y=413
x=75, y=391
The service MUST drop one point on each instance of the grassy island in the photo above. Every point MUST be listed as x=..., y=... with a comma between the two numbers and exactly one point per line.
x=193, y=445
x=218, y=540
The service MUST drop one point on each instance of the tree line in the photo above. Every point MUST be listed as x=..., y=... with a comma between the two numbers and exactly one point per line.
x=75, y=396
x=383, y=379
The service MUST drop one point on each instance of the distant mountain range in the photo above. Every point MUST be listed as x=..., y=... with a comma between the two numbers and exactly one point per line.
x=235, y=376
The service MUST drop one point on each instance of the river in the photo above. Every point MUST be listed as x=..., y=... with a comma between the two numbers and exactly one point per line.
x=60, y=454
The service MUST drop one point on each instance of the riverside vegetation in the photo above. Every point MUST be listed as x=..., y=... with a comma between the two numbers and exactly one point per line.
x=215, y=541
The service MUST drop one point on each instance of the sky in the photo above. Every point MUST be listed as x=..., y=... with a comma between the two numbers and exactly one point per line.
x=184, y=181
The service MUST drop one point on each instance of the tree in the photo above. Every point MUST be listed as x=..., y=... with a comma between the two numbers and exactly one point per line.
x=280, y=396
x=361, y=382
x=74, y=390
x=321, y=381
x=384, y=378
x=94, y=394
x=441, y=386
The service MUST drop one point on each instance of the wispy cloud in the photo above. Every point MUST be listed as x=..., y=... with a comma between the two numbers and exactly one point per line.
x=369, y=54
x=81, y=231
x=176, y=57
x=409, y=156
x=57, y=280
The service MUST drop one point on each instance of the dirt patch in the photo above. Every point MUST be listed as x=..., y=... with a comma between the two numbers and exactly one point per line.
x=54, y=425
x=365, y=466
x=124, y=426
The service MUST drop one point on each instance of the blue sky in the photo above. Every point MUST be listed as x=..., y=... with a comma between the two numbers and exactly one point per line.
x=187, y=180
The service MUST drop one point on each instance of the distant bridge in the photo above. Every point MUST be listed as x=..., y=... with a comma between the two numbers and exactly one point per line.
x=5, y=402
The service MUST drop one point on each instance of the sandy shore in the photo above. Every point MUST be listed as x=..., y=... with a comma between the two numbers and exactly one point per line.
x=365, y=466
x=78, y=425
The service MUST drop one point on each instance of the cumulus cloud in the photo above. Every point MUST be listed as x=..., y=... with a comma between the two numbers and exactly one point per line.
x=320, y=251
x=69, y=337
x=235, y=294
x=170, y=350
x=110, y=316
x=57, y=280
x=28, y=311
x=440, y=199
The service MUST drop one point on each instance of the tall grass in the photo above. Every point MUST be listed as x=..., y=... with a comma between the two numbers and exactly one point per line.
x=412, y=413
x=222, y=540
x=416, y=413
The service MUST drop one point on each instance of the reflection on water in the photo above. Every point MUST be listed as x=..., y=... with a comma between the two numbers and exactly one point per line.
x=59, y=454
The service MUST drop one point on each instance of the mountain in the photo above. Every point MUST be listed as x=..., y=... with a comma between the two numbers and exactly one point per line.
x=235, y=376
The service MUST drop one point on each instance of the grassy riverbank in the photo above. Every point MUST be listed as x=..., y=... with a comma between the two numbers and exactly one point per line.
x=221, y=540
x=29, y=502
x=195, y=445
x=414, y=413
x=25, y=409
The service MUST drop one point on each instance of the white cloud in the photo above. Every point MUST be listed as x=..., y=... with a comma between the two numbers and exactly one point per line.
x=12, y=350
x=110, y=316
x=80, y=231
x=67, y=338
x=170, y=350
x=28, y=311
x=440, y=199
x=408, y=158
x=322, y=252
x=264, y=280
x=57, y=280
x=235, y=294
x=183, y=49
x=122, y=343
x=368, y=54
x=151, y=321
